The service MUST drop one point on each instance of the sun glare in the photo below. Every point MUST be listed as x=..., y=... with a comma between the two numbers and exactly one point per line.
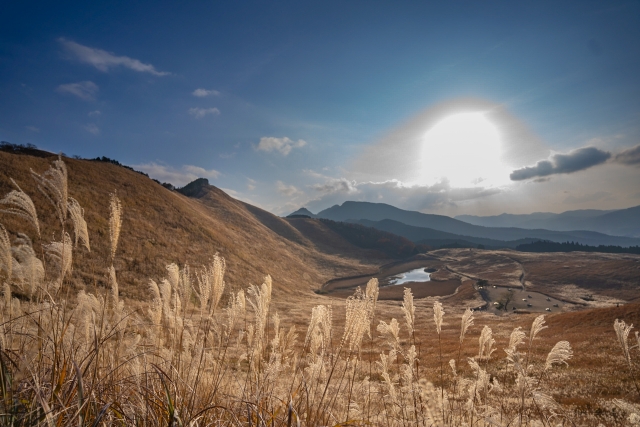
x=466, y=149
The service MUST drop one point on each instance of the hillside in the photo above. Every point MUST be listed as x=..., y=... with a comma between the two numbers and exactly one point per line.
x=435, y=238
x=161, y=226
x=380, y=211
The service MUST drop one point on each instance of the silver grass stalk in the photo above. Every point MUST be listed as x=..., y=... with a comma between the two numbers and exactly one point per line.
x=235, y=310
x=218, y=267
x=6, y=260
x=622, y=332
x=61, y=254
x=559, y=354
x=438, y=314
x=6, y=294
x=409, y=310
x=173, y=275
x=204, y=288
x=536, y=327
x=452, y=363
x=517, y=338
x=358, y=319
x=317, y=326
x=165, y=293
x=20, y=204
x=260, y=302
x=486, y=343
x=115, y=222
x=391, y=330
x=31, y=267
x=113, y=282
x=211, y=283
x=185, y=284
x=53, y=185
x=467, y=322
x=371, y=292
x=79, y=224
x=17, y=275
x=155, y=309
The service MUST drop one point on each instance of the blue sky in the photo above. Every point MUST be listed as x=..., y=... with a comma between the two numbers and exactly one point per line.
x=285, y=104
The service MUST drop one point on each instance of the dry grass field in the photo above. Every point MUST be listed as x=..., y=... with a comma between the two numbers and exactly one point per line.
x=149, y=327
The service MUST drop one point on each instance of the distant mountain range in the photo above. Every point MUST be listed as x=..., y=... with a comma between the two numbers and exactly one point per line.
x=377, y=213
x=622, y=222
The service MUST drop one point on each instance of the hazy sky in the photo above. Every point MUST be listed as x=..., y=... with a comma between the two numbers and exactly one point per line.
x=445, y=107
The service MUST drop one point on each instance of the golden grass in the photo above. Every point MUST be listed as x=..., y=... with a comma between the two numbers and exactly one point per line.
x=81, y=355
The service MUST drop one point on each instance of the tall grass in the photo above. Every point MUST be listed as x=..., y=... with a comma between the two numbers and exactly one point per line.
x=197, y=356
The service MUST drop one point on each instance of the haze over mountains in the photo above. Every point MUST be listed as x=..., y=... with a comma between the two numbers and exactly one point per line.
x=622, y=222
x=418, y=226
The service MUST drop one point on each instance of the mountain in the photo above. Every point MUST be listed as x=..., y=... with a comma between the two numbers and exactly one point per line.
x=302, y=212
x=380, y=211
x=622, y=222
x=435, y=238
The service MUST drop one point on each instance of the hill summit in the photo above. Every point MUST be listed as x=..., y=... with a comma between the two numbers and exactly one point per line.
x=302, y=212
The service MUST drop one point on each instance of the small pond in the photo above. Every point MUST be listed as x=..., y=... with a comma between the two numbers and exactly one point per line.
x=416, y=275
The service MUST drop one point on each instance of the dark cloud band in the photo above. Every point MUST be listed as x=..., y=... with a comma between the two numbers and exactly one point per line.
x=577, y=160
x=629, y=157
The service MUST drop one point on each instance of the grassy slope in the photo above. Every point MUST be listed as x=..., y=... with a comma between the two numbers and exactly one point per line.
x=162, y=226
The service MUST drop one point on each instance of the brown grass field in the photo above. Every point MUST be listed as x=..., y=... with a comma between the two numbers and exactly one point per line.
x=103, y=345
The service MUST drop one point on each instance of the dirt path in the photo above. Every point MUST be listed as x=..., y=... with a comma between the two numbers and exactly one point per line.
x=523, y=272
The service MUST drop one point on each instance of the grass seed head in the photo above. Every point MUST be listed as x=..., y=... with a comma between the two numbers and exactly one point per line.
x=622, y=332
x=115, y=222
x=19, y=203
x=438, y=314
x=79, y=224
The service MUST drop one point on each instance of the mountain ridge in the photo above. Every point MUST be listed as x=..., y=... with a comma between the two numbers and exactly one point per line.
x=619, y=222
x=354, y=211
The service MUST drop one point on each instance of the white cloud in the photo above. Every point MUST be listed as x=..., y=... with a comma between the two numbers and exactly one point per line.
x=179, y=177
x=95, y=113
x=86, y=90
x=336, y=185
x=283, y=145
x=251, y=184
x=394, y=192
x=32, y=129
x=199, y=113
x=288, y=190
x=103, y=60
x=202, y=93
x=201, y=172
x=92, y=128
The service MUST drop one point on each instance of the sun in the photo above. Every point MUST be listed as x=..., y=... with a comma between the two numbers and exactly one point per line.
x=465, y=149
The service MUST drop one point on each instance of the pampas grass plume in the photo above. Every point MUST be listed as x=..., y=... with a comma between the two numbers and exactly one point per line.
x=53, y=185
x=622, y=332
x=115, y=222
x=559, y=354
x=409, y=310
x=6, y=261
x=438, y=314
x=536, y=327
x=467, y=322
x=79, y=224
x=20, y=204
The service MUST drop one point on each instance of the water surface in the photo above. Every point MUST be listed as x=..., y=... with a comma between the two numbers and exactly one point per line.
x=417, y=275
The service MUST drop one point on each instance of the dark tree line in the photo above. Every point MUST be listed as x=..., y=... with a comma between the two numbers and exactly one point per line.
x=548, y=246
